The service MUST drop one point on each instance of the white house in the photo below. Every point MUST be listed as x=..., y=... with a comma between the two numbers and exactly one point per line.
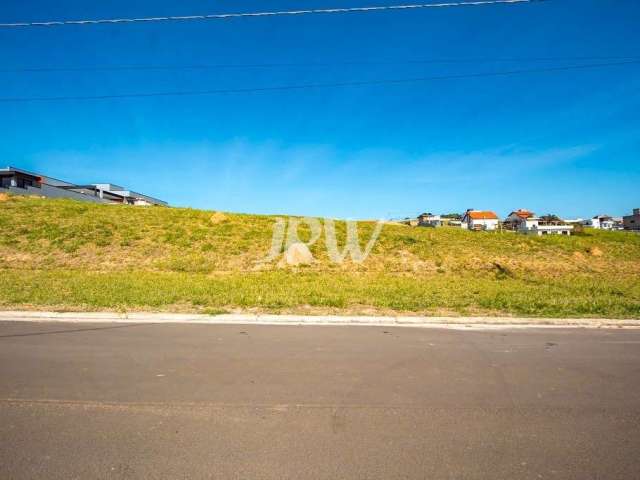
x=525, y=221
x=515, y=219
x=429, y=220
x=538, y=226
x=480, y=220
x=535, y=226
x=603, y=222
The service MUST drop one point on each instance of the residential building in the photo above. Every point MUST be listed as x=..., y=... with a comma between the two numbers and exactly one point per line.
x=632, y=222
x=128, y=196
x=526, y=222
x=429, y=220
x=516, y=218
x=409, y=221
x=602, y=222
x=21, y=182
x=479, y=220
x=451, y=219
x=618, y=223
x=538, y=226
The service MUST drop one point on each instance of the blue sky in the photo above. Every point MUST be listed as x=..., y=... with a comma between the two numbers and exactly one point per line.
x=564, y=142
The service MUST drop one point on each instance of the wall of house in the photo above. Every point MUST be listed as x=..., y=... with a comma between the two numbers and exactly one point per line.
x=487, y=224
x=550, y=230
x=593, y=222
x=52, y=192
x=631, y=222
x=527, y=225
x=601, y=224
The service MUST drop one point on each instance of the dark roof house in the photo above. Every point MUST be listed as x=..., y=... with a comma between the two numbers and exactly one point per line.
x=21, y=182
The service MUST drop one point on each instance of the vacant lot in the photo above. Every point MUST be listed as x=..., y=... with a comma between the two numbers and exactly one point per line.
x=61, y=254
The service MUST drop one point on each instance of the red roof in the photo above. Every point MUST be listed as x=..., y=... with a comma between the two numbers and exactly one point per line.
x=522, y=213
x=482, y=215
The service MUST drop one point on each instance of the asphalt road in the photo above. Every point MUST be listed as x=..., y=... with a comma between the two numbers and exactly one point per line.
x=284, y=402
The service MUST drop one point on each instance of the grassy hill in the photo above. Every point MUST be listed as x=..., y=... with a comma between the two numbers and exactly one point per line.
x=67, y=255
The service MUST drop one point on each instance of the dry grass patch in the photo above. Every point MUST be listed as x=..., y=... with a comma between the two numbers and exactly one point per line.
x=595, y=251
x=217, y=217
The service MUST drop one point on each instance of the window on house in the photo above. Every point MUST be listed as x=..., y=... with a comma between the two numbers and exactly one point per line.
x=24, y=182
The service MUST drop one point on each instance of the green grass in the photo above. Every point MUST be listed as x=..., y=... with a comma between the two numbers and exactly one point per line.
x=66, y=255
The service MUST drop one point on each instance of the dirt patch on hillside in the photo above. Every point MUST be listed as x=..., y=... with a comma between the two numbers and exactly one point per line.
x=218, y=217
x=4, y=197
x=595, y=252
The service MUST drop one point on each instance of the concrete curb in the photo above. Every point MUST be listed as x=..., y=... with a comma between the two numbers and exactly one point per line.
x=259, y=319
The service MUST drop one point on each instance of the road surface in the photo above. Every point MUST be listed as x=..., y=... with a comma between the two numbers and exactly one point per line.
x=168, y=401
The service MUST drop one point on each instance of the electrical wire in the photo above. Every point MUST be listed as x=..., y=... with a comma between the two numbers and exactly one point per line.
x=318, y=85
x=100, y=68
x=223, y=16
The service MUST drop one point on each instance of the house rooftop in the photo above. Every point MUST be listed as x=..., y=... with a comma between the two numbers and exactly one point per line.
x=522, y=213
x=12, y=170
x=115, y=192
x=482, y=215
x=108, y=186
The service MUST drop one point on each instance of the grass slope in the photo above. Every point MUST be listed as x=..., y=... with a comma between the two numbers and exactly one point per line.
x=67, y=255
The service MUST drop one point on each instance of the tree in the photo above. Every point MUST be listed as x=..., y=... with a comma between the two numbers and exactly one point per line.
x=550, y=217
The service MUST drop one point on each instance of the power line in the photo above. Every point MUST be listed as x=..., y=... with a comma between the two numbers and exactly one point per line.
x=222, y=16
x=318, y=85
x=97, y=68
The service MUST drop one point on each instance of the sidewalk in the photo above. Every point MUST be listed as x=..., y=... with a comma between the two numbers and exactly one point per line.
x=259, y=319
